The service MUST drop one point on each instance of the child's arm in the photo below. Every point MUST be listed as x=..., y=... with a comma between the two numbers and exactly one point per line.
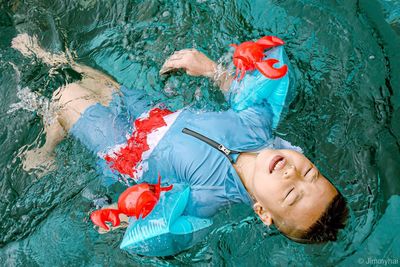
x=272, y=95
x=196, y=63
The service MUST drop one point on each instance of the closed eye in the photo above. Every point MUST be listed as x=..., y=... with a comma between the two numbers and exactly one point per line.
x=308, y=171
x=288, y=193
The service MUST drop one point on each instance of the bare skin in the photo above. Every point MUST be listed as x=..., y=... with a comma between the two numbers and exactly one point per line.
x=95, y=87
x=195, y=64
x=72, y=100
x=293, y=196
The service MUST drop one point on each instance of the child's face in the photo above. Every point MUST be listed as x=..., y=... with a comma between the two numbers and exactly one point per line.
x=289, y=189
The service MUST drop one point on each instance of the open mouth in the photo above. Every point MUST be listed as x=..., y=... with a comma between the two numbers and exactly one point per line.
x=277, y=163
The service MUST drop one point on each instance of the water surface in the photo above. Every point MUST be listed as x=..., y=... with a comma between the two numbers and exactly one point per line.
x=346, y=117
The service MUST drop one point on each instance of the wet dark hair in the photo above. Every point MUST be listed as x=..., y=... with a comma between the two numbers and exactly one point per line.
x=327, y=226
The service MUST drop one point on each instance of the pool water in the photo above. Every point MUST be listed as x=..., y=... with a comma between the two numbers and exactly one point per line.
x=345, y=116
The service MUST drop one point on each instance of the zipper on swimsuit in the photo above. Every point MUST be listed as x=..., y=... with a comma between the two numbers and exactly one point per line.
x=227, y=152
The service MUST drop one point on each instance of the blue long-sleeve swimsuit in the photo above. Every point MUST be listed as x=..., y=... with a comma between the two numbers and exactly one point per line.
x=256, y=105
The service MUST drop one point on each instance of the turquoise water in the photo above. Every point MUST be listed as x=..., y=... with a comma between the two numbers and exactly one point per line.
x=346, y=117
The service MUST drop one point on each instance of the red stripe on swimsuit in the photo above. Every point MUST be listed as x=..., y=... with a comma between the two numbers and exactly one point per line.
x=126, y=158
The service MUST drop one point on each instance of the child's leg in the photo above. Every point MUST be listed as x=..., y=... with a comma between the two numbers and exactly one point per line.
x=29, y=46
x=43, y=157
x=71, y=101
x=93, y=78
x=55, y=133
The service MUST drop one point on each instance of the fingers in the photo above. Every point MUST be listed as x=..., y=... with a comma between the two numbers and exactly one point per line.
x=181, y=54
x=178, y=60
x=172, y=65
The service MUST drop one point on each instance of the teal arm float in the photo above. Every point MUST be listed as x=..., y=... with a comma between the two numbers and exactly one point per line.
x=166, y=230
x=257, y=90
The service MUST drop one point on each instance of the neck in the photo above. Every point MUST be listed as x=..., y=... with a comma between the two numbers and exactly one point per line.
x=244, y=167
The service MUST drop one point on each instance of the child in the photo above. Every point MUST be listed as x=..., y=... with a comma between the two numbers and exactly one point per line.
x=281, y=184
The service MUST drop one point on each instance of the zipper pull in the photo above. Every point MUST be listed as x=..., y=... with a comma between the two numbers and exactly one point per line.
x=224, y=150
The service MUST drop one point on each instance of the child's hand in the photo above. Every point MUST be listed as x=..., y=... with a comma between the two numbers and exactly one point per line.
x=124, y=220
x=192, y=61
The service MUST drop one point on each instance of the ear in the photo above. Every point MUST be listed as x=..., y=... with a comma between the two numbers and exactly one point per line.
x=264, y=215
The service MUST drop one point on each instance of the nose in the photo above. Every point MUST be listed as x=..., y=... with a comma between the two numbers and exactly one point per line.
x=290, y=171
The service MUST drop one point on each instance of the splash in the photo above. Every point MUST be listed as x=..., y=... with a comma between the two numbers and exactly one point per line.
x=31, y=101
x=224, y=70
x=34, y=102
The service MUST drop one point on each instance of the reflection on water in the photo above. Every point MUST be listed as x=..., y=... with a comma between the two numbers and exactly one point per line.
x=346, y=117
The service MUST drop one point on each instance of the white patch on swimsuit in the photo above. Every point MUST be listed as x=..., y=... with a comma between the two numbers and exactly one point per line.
x=153, y=139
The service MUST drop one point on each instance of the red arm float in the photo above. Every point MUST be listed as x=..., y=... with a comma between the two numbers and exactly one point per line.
x=268, y=42
x=145, y=204
x=100, y=217
x=267, y=69
x=138, y=200
x=249, y=55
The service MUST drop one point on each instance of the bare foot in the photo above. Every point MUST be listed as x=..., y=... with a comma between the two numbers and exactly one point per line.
x=38, y=161
x=29, y=46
